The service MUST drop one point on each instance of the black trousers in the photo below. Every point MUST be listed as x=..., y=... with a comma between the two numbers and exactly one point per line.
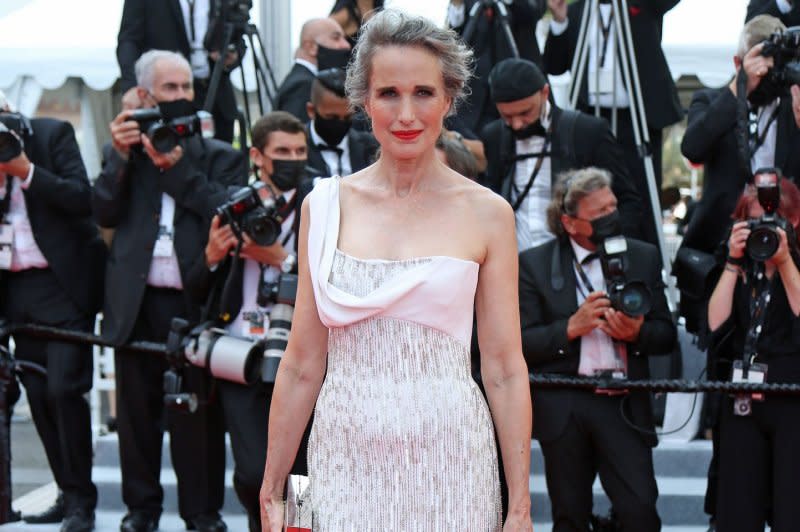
x=636, y=168
x=246, y=414
x=58, y=406
x=197, y=441
x=759, y=464
x=596, y=440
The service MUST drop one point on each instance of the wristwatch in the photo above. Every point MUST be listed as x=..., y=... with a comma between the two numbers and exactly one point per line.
x=289, y=264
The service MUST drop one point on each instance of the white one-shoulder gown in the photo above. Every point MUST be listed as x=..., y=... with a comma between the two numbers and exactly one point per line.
x=402, y=437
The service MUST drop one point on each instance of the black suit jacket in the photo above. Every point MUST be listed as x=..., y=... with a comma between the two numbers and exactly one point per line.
x=770, y=7
x=491, y=46
x=362, y=146
x=658, y=89
x=545, y=310
x=590, y=144
x=158, y=25
x=710, y=139
x=295, y=92
x=59, y=208
x=127, y=197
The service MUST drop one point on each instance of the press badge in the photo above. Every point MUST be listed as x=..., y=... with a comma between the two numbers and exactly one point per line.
x=254, y=326
x=164, y=244
x=6, y=240
x=756, y=373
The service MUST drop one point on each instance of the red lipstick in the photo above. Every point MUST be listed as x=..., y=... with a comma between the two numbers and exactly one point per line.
x=409, y=134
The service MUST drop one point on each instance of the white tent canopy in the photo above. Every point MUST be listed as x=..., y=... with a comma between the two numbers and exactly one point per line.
x=46, y=42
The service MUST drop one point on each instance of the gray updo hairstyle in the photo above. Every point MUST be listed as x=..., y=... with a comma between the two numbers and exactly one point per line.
x=391, y=27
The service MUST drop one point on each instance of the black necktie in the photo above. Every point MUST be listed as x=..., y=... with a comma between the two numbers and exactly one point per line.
x=590, y=257
x=338, y=151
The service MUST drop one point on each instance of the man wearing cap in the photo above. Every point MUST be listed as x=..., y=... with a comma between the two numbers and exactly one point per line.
x=334, y=146
x=533, y=141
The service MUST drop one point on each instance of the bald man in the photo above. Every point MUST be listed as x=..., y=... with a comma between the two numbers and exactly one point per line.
x=322, y=45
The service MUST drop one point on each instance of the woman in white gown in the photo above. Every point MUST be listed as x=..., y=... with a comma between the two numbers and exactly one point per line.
x=391, y=261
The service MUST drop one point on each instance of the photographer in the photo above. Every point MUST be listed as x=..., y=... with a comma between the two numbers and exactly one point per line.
x=50, y=259
x=490, y=45
x=180, y=25
x=533, y=141
x=159, y=205
x=333, y=143
x=753, y=316
x=574, y=324
x=279, y=156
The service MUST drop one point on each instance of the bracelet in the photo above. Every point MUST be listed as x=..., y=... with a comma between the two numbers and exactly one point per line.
x=736, y=261
x=733, y=269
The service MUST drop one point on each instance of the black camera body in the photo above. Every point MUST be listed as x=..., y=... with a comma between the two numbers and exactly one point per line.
x=764, y=240
x=248, y=214
x=634, y=298
x=283, y=295
x=14, y=128
x=784, y=48
x=165, y=133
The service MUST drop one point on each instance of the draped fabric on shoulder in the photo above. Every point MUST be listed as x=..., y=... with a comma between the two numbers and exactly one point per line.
x=438, y=292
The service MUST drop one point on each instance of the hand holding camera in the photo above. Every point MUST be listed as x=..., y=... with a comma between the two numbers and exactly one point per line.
x=589, y=316
x=125, y=133
x=13, y=160
x=756, y=66
x=273, y=254
x=221, y=241
x=163, y=161
x=620, y=326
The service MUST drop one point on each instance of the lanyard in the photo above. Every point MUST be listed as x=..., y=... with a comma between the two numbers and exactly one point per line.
x=539, y=161
x=5, y=204
x=582, y=277
x=605, y=29
x=191, y=20
x=759, y=299
x=757, y=139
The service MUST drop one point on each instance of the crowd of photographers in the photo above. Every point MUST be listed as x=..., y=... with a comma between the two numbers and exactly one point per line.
x=202, y=252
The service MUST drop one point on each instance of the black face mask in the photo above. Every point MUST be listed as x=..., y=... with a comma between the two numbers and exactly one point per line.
x=332, y=58
x=765, y=93
x=177, y=109
x=332, y=130
x=287, y=173
x=528, y=131
x=604, y=227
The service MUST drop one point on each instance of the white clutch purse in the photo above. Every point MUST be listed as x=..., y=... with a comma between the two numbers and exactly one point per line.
x=299, y=515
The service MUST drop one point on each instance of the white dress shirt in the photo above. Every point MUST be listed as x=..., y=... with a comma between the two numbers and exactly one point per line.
x=330, y=157
x=764, y=155
x=598, y=352
x=242, y=326
x=531, y=216
x=25, y=252
x=609, y=74
x=164, y=270
x=196, y=11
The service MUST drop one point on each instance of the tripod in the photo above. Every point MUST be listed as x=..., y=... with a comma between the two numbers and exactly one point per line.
x=623, y=40
x=235, y=24
x=480, y=9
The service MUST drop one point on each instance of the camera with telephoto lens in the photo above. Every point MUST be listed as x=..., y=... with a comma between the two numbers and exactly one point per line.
x=634, y=298
x=248, y=214
x=14, y=127
x=764, y=240
x=166, y=132
x=224, y=356
x=282, y=295
x=784, y=48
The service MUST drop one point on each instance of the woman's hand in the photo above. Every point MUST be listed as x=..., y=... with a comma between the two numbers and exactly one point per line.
x=738, y=240
x=271, y=513
x=518, y=523
x=782, y=254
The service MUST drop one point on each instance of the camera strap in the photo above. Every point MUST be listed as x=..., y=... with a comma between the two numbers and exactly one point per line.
x=581, y=278
x=759, y=299
x=5, y=203
x=757, y=138
x=539, y=161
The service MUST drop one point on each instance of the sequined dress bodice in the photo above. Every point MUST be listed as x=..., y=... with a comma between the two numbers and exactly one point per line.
x=402, y=437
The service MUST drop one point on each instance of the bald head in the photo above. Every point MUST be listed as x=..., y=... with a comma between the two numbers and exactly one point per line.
x=320, y=32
